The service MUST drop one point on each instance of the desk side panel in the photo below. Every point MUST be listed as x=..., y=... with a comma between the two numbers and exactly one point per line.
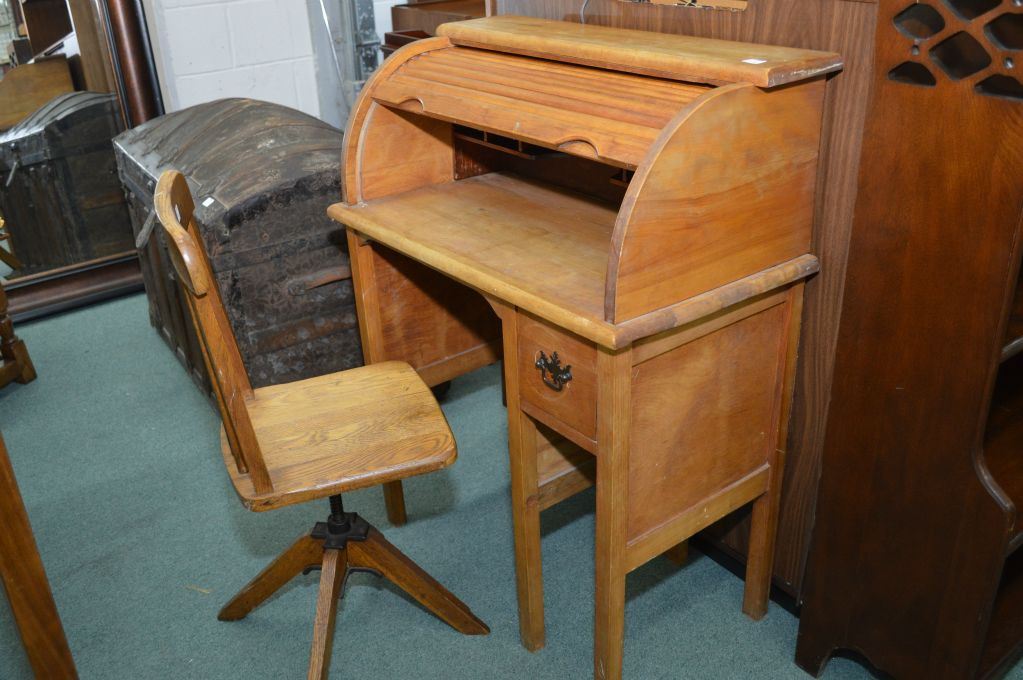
x=704, y=416
x=728, y=190
x=373, y=136
x=408, y=311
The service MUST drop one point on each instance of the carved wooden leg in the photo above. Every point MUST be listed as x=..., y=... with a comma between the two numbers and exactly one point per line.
x=614, y=372
x=12, y=349
x=332, y=580
x=376, y=552
x=303, y=553
x=28, y=370
x=394, y=499
x=678, y=554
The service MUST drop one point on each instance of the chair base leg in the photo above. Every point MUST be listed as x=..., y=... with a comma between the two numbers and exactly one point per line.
x=332, y=583
x=304, y=553
x=377, y=553
x=343, y=544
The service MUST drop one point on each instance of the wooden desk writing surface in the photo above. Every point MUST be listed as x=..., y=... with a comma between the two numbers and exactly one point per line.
x=649, y=314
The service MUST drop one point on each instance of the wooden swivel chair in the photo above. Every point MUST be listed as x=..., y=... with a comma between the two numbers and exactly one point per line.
x=314, y=438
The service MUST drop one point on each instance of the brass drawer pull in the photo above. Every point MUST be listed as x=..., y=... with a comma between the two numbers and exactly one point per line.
x=551, y=371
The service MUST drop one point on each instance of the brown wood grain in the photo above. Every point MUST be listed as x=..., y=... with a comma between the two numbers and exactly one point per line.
x=525, y=494
x=15, y=363
x=531, y=244
x=575, y=404
x=304, y=553
x=174, y=208
x=376, y=552
x=665, y=56
x=310, y=439
x=345, y=431
x=332, y=581
x=441, y=328
x=297, y=441
x=540, y=247
x=27, y=588
x=841, y=26
x=27, y=87
x=614, y=426
x=684, y=227
x=764, y=518
x=612, y=117
x=913, y=525
x=563, y=468
x=94, y=47
x=713, y=399
x=540, y=254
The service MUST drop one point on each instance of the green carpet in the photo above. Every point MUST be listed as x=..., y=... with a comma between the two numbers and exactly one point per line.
x=144, y=539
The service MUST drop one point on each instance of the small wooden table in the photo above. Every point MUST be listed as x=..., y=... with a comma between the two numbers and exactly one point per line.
x=636, y=208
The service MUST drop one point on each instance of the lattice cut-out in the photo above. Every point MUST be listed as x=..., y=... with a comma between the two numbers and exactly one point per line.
x=971, y=9
x=1006, y=31
x=919, y=21
x=912, y=73
x=960, y=56
x=1001, y=86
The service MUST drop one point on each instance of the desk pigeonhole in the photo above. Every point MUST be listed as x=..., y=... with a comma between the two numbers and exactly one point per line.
x=59, y=191
x=261, y=174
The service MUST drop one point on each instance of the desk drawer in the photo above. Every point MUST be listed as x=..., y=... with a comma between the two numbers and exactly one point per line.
x=565, y=388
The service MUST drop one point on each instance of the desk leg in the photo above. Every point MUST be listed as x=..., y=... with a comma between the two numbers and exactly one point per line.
x=525, y=497
x=678, y=554
x=367, y=304
x=764, y=524
x=394, y=499
x=614, y=377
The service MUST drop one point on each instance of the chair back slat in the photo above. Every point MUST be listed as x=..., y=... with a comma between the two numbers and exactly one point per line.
x=175, y=208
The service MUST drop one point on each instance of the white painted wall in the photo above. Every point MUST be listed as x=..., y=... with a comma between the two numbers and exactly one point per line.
x=382, y=14
x=210, y=49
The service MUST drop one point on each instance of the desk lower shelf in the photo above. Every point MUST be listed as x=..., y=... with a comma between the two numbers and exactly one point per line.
x=534, y=245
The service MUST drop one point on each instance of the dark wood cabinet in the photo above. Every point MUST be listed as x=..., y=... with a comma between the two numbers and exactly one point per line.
x=913, y=560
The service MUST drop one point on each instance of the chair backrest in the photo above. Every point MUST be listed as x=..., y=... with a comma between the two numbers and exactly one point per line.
x=175, y=208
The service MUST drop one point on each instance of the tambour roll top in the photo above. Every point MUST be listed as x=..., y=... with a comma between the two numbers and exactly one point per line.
x=722, y=138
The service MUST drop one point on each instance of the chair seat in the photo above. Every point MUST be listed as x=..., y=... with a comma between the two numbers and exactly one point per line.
x=343, y=431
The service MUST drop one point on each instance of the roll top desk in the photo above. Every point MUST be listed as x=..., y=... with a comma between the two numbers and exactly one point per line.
x=636, y=208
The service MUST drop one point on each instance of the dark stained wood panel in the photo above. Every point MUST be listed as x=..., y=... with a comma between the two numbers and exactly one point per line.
x=911, y=534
